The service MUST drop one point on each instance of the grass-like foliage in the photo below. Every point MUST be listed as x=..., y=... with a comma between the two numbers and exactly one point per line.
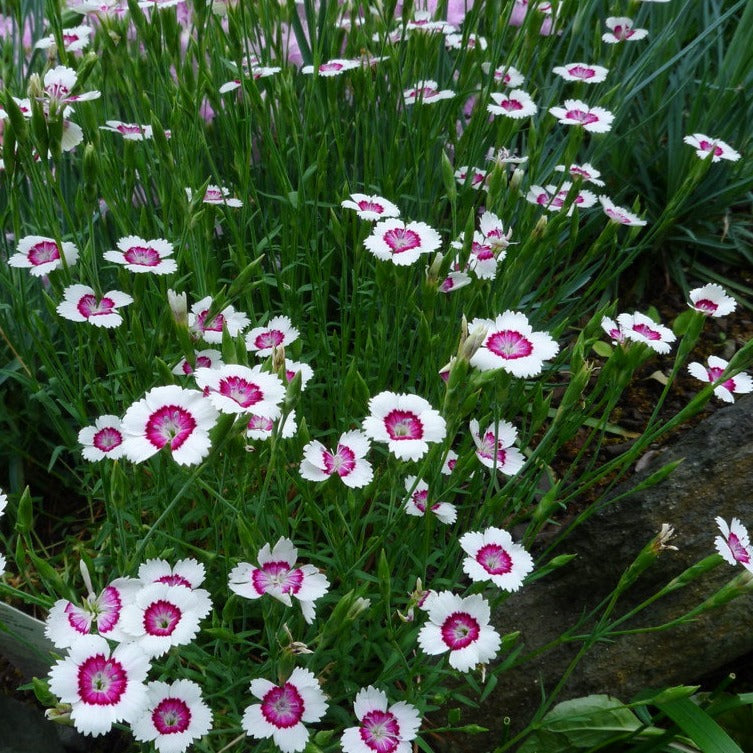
x=299, y=303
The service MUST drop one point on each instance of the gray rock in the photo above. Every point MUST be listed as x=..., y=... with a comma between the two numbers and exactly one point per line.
x=25, y=729
x=716, y=478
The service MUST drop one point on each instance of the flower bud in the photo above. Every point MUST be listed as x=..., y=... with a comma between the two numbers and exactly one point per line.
x=179, y=306
x=517, y=178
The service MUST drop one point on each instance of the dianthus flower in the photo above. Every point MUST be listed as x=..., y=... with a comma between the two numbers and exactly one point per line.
x=507, y=75
x=81, y=304
x=578, y=113
x=511, y=344
x=475, y=176
x=641, y=328
x=381, y=728
x=139, y=255
x=706, y=146
x=712, y=300
x=585, y=172
x=739, y=384
x=517, y=104
x=416, y=502
x=171, y=417
x=492, y=555
x=460, y=626
x=41, y=255
x=734, y=544
x=400, y=242
x=187, y=572
x=103, y=686
x=129, y=131
x=620, y=215
x=554, y=198
x=217, y=195
x=284, y=709
x=74, y=38
x=589, y=74
x=348, y=461
x=370, y=207
x=494, y=448
x=239, y=389
x=426, y=92
x=621, y=29
x=209, y=328
x=59, y=82
x=407, y=423
x=103, y=440
x=278, y=331
x=333, y=67
x=280, y=577
x=260, y=427
x=207, y=359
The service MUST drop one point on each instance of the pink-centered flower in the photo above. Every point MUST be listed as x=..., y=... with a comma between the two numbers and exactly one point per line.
x=186, y=572
x=739, y=384
x=103, y=686
x=426, y=92
x=585, y=172
x=210, y=327
x=465, y=42
x=129, y=131
x=381, y=728
x=74, y=38
x=261, y=427
x=506, y=75
x=140, y=255
x=207, y=359
x=239, y=389
x=416, y=503
x=173, y=717
x=59, y=83
x=81, y=304
x=293, y=368
x=620, y=215
x=278, y=331
x=218, y=195
x=641, y=328
x=517, y=104
x=455, y=280
x=712, y=300
x=494, y=448
x=614, y=330
x=348, y=461
x=461, y=627
x=734, y=543
x=400, y=242
x=331, y=68
x=169, y=417
x=407, y=423
x=41, y=255
x=486, y=253
x=285, y=710
x=370, y=207
x=475, y=177
x=492, y=555
x=585, y=72
x=621, y=29
x=578, y=113
x=103, y=440
x=555, y=198
x=706, y=146
x=279, y=575
x=161, y=616
x=67, y=622
x=511, y=344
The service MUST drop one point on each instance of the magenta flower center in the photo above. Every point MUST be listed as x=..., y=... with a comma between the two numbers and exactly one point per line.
x=70, y=38
x=327, y=67
x=89, y=306
x=401, y=239
x=43, y=252
x=278, y=576
x=161, y=618
x=341, y=463
x=645, y=331
x=488, y=444
x=174, y=580
x=57, y=90
x=578, y=171
x=143, y=256
x=425, y=91
x=582, y=117
x=213, y=194
x=616, y=216
x=170, y=425
x=494, y=559
x=240, y=390
x=509, y=344
x=101, y=681
x=739, y=552
x=481, y=251
x=213, y=325
x=419, y=499
x=403, y=424
x=260, y=423
x=380, y=731
x=580, y=71
x=459, y=630
x=269, y=339
x=107, y=439
x=127, y=129
x=370, y=206
x=511, y=105
x=171, y=715
x=715, y=372
x=706, y=305
x=623, y=32
x=283, y=707
x=710, y=146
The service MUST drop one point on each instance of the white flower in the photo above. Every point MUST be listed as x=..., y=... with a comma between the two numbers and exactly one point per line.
x=216, y=195
x=589, y=74
x=333, y=67
x=741, y=383
x=517, y=104
x=494, y=448
x=400, y=242
x=207, y=359
x=734, y=544
x=706, y=146
x=280, y=577
x=576, y=112
x=186, y=572
x=426, y=92
x=348, y=461
x=492, y=555
x=174, y=716
x=370, y=207
x=210, y=328
x=620, y=215
x=416, y=502
x=102, y=686
x=585, y=172
x=511, y=344
x=460, y=626
x=171, y=417
x=239, y=389
x=81, y=304
x=41, y=255
x=712, y=300
x=278, y=331
x=642, y=328
x=129, y=131
x=381, y=728
x=621, y=30
x=139, y=255
x=407, y=423
x=284, y=709
x=103, y=440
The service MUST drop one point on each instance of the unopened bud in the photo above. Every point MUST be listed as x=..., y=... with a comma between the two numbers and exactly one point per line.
x=35, y=87
x=540, y=226
x=179, y=306
x=60, y=714
x=278, y=359
x=473, y=342
x=433, y=271
x=517, y=177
